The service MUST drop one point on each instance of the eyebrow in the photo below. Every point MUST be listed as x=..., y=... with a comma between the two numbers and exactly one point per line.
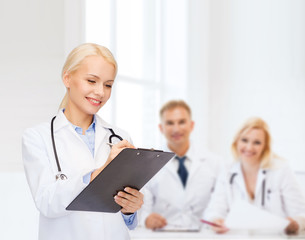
x=93, y=75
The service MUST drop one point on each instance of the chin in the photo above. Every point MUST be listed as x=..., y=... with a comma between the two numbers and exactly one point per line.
x=91, y=112
x=250, y=159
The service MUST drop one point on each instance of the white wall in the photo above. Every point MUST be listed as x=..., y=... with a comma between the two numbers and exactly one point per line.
x=245, y=58
x=198, y=83
x=32, y=53
x=257, y=59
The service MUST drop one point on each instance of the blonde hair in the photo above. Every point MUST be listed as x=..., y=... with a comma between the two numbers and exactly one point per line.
x=78, y=54
x=255, y=123
x=175, y=104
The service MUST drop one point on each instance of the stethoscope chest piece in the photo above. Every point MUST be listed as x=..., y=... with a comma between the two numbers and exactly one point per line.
x=61, y=176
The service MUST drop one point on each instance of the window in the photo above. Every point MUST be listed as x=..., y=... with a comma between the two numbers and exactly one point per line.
x=137, y=32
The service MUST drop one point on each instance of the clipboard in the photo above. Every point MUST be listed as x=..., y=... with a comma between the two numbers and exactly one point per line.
x=130, y=168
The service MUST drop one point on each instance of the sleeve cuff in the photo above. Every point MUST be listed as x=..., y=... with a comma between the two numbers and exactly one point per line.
x=131, y=221
x=87, y=177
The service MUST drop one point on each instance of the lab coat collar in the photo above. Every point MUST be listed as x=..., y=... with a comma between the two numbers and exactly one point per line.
x=236, y=168
x=101, y=128
x=61, y=121
x=101, y=131
x=192, y=156
x=102, y=122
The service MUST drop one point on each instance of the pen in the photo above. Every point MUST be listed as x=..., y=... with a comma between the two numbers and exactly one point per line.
x=210, y=223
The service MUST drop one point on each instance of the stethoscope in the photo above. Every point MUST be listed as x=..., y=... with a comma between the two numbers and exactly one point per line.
x=233, y=175
x=59, y=174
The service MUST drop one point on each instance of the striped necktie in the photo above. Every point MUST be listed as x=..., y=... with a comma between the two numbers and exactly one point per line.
x=182, y=172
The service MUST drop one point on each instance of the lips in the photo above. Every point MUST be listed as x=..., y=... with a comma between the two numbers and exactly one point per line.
x=176, y=136
x=93, y=101
x=248, y=154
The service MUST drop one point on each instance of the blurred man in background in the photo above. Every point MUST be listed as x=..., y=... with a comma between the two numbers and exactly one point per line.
x=177, y=196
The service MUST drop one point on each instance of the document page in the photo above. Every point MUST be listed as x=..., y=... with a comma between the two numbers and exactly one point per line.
x=244, y=216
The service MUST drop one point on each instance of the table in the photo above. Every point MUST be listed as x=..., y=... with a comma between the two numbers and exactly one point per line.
x=145, y=234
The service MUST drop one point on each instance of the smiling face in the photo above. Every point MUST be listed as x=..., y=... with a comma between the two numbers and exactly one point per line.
x=89, y=87
x=176, y=125
x=251, y=145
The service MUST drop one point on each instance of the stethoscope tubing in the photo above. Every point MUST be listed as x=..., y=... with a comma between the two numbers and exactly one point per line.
x=54, y=146
x=263, y=186
x=59, y=174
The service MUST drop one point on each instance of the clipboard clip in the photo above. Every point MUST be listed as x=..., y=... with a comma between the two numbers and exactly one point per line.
x=150, y=149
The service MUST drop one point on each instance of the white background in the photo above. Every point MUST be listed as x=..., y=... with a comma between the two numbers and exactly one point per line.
x=242, y=58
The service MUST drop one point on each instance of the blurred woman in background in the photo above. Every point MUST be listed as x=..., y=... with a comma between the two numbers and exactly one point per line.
x=258, y=177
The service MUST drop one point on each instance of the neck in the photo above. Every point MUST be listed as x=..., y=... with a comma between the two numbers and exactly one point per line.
x=78, y=119
x=180, y=149
x=250, y=168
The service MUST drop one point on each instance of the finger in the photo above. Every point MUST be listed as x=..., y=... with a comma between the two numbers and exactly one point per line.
x=155, y=220
x=126, y=205
x=129, y=197
x=161, y=219
x=124, y=144
x=134, y=192
x=222, y=228
x=160, y=223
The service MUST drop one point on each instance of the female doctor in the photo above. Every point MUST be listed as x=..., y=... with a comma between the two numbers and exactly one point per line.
x=259, y=178
x=80, y=143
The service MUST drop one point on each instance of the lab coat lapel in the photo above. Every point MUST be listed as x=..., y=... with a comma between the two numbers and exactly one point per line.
x=238, y=180
x=101, y=133
x=172, y=169
x=259, y=185
x=60, y=121
x=195, y=167
x=196, y=162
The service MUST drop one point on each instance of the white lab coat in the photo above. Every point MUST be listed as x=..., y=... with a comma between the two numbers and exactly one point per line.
x=282, y=195
x=52, y=197
x=164, y=193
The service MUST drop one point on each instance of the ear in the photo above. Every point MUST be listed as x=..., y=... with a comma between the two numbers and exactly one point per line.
x=160, y=127
x=66, y=79
x=192, y=125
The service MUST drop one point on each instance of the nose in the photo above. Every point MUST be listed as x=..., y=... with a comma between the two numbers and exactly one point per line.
x=249, y=146
x=99, y=90
x=176, y=127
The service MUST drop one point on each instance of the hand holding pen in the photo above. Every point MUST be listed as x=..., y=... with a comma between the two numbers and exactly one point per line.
x=217, y=225
x=115, y=150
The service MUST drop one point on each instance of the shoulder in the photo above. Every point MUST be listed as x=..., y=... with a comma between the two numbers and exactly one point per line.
x=280, y=166
x=211, y=159
x=229, y=171
x=38, y=130
x=36, y=137
x=202, y=154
